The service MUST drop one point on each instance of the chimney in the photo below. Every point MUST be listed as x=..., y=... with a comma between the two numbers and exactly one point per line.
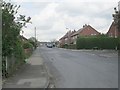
x=84, y=25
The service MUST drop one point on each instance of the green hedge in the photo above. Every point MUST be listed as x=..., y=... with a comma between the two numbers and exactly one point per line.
x=72, y=46
x=64, y=46
x=96, y=42
x=118, y=43
x=27, y=45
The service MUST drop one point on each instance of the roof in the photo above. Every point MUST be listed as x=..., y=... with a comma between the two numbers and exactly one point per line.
x=72, y=33
x=77, y=32
x=80, y=30
x=111, y=27
x=94, y=29
x=66, y=35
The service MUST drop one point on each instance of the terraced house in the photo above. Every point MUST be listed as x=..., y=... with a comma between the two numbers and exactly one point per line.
x=71, y=36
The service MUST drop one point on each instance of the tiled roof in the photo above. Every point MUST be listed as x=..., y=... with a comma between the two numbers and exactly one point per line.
x=77, y=32
x=84, y=27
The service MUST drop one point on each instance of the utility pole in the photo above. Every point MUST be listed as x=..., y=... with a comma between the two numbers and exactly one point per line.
x=35, y=32
x=116, y=20
x=35, y=38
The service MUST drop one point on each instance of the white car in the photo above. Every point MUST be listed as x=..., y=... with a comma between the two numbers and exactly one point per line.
x=49, y=45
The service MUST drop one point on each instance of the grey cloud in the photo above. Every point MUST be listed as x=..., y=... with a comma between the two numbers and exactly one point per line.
x=73, y=16
x=44, y=27
x=47, y=24
x=83, y=8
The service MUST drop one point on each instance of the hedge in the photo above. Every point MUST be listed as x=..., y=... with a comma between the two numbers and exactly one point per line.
x=27, y=45
x=28, y=49
x=96, y=42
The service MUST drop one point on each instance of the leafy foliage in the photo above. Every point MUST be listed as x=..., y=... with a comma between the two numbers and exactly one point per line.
x=33, y=41
x=97, y=42
x=11, y=27
x=119, y=21
x=27, y=45
x=11, y=43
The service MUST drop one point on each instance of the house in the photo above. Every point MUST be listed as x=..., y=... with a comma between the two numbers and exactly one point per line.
x=63, y=40
x=71, y=36
x=87, y=30
x=66, y=39
x=113, y=31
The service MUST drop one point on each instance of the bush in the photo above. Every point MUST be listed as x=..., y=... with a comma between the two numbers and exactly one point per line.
x=72, y=46
x=19, y=51
x=97, y=42
x=64, y=46
x=33, y=43
x=27, y=45
x=118, y=43
x=28, y=49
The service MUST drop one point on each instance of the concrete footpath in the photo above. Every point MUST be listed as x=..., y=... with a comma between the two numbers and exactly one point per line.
x=31, y=75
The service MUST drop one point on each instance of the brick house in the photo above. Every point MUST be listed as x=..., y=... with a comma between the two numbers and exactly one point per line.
x=87, y=30
x=71, y=36
x=113, y=31
x=66, y=39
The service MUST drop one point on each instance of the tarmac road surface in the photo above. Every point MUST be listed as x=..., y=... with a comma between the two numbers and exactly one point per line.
x=82, y=68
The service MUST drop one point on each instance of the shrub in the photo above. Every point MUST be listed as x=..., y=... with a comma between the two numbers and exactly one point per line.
x=73, y=46
x=97, y=42
x=27, y=45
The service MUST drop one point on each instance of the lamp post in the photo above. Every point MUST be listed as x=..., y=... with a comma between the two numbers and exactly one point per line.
x=35, y=32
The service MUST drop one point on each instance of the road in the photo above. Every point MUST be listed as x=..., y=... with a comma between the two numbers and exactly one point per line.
x=82, y=68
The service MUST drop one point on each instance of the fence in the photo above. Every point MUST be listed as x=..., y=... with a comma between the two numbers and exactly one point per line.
x=9, y=65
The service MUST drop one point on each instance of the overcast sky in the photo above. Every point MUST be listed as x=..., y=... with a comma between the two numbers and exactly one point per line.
x=52, y=17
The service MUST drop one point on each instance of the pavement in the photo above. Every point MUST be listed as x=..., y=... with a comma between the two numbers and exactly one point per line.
x=82, y=68
x=31, y=75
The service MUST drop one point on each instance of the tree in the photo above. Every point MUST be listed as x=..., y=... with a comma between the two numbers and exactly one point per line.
x=11, y=43
x=116, y=18
x=11, y=27
x=33, y=41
